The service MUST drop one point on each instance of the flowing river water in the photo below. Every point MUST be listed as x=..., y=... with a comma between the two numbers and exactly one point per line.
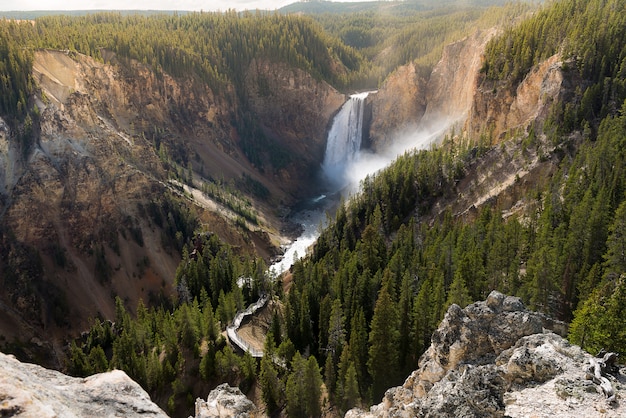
x=342, y=152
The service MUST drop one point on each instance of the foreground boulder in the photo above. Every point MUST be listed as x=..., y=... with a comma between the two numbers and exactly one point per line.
x=226, y=401
x=31, y=391
x=497, y=359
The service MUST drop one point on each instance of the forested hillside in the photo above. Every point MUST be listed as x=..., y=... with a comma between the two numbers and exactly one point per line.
x=357, y=313
x=391, y=34
x=387, y=268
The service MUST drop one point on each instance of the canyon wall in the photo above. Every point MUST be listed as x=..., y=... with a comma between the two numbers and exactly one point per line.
x=412, y=99
x=83, y=207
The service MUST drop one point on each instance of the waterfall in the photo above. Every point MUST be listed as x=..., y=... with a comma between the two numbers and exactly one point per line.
x=344, y=140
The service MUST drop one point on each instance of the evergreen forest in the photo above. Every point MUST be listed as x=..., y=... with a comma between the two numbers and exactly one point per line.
x=360, y=309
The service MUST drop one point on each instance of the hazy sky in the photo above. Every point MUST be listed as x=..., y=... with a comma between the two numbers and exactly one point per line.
x=207, y=5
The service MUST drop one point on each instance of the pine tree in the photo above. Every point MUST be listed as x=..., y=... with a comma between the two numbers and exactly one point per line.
x=405, y=308
x=98, y=360
x=207, y=364
x=616, y=243
x=359, y=349
x=336, y=331
x=295, y=388
x=383, y=358
x=271, y=386
x=313, y=388
x=458, y=292
x=351, y=397
x=78, y=362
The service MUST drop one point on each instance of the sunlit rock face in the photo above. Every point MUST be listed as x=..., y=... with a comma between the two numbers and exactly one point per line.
x=414, y=100
x=498, y=108
x=225, y=402
x=28, y=390
x=495, y=359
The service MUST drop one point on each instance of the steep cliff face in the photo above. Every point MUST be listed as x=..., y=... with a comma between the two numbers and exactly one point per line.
x=497, y=359
x=296, y=108
x=397, y=106
x=456, y=92
x=411, y=100
x=73, y=201
x=453, y=81
x=497, y=108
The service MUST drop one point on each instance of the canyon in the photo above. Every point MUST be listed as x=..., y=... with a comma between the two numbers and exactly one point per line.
x=95, y=174
x=86, y=210
x=100, y=163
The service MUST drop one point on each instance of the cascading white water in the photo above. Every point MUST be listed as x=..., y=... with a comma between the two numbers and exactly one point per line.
x=342, y=150
x=344, y=140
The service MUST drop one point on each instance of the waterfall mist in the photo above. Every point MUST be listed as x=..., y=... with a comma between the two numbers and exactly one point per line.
x=344, y=141
x=368, y=162
x=346, y=164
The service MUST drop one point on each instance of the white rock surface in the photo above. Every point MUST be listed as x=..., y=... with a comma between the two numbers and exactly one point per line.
x=28, y=390
x=226, y=401
x=497, y=359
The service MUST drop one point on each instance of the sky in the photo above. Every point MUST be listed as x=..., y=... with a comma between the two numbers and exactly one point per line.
x=206, y=5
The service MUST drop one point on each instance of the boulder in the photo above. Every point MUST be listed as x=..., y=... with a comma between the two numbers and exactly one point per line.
x=225, y=401
x=29, y=390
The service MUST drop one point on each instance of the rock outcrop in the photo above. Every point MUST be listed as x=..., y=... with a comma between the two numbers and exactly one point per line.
x=28, y=390
x=497, y=107
x=497, y=359
x=226, y=401
x=412, y=100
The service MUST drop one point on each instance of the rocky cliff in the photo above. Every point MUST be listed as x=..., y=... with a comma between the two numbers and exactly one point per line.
x=28, y=390
x=497, y=107
x=294, y=107
x=411, y=99
x=495, y=359
x=456, y=92
x=492, y=359
x=226, y=401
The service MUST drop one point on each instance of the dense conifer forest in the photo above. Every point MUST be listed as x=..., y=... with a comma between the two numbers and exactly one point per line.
x=362, y=307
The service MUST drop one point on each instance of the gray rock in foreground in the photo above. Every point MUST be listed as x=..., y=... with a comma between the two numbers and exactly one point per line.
x=225, y=401
x=497, y=359
x=28, y=390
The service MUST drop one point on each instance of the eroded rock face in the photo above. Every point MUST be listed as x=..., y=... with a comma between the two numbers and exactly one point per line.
x=28, y=390
x=497, y=108
x=397, y=106
x=496, y=359
x=413, y=101
x=225, y=401
x=79, y=209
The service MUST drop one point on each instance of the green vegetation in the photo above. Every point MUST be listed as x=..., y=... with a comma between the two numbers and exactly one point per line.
x=216, y=47
x=16, y=84
x=562, y=257
x=394, y=34
x=586, y=34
